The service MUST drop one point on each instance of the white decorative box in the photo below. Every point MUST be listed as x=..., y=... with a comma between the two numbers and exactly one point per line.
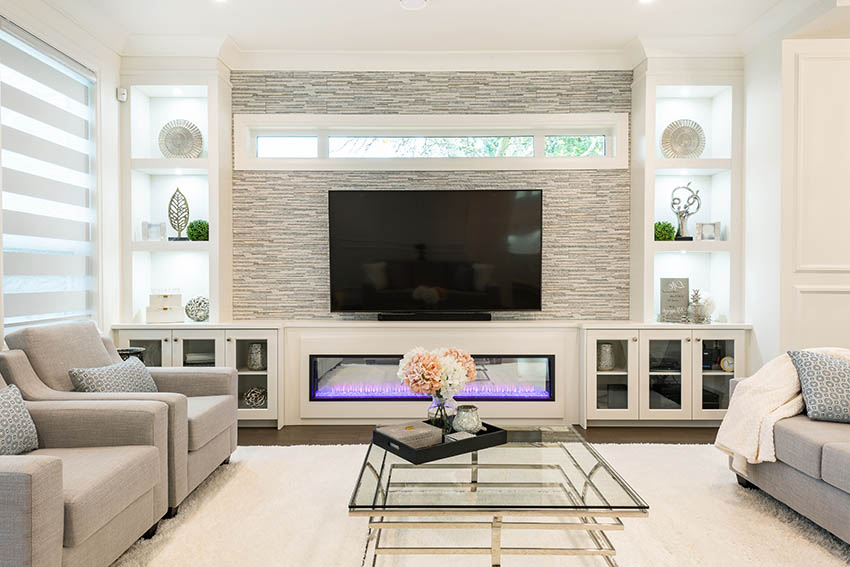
x=173, y=300
x=165, y=314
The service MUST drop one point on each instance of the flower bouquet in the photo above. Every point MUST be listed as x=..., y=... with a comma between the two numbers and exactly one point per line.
x=440, y=373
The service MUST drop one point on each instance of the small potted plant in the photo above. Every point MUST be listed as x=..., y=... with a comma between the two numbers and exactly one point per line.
x=663, y=231
x=198, y=230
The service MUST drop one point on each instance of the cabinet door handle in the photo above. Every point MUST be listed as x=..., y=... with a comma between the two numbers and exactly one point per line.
x=177, y=340
x=698, y=339
x=634, y=339
x=229, y=339
x=165, y=340
x=687, y=340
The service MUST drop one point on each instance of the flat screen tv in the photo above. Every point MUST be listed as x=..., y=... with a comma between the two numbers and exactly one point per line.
x=443, y=251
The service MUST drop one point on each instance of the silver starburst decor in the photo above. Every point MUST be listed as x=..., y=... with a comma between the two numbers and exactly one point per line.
x=683, y=139
x=180, y=139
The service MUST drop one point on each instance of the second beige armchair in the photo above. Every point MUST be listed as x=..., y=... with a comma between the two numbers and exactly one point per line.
x=202, y=402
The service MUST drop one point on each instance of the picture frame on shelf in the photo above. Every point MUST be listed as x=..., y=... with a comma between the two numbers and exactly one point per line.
x=153, y=231
x=674, y=300
x=708, y=231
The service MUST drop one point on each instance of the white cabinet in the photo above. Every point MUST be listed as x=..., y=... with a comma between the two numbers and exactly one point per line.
x=713, y=366
x=254, y=352
x=197, y=347
x=660, y=373
x=254, y=355
x=665, y=374
x=156, y=342
x=612, y=385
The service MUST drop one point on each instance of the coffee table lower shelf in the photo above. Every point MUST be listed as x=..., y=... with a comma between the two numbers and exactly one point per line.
x=583, y=520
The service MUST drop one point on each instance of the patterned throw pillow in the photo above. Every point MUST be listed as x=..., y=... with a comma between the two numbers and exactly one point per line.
x=130, y=375
x=17, y=430
x=825, y=381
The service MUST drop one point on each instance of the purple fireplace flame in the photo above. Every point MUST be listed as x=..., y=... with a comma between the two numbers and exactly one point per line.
x=477, y=390
x=367, y=377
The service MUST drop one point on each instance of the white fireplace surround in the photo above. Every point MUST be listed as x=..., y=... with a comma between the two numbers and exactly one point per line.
x=527, y=338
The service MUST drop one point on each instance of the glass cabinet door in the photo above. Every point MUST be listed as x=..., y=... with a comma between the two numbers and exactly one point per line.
x=713, y=368
x=665, y=375
x=196, y=347
x=612, y=385
x=254, y=355
x=157, y=345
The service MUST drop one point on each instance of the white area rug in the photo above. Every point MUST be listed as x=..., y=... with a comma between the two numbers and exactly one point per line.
x=287, y=506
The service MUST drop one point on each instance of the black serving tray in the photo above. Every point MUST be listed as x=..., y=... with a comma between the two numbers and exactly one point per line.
x=491, y=437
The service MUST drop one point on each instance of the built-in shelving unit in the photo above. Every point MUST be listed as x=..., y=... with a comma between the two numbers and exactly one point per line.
x=711, y=94
x=152, y=262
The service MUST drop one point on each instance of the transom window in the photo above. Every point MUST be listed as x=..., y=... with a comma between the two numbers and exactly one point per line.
x=414, y=142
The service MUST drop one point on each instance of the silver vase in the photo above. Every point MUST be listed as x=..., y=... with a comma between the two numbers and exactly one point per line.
x=605, y=357
x=257, y=356
x=467, y=419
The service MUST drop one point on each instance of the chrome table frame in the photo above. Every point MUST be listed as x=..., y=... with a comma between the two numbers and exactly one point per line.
x=594, y=521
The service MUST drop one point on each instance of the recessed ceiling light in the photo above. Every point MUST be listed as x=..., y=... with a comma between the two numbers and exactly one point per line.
x=413, y=4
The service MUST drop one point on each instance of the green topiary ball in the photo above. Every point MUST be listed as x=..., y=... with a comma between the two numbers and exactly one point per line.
x=198, y=230
x=663, y=231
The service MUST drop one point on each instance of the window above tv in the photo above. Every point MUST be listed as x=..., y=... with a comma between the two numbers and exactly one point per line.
x=431, y=142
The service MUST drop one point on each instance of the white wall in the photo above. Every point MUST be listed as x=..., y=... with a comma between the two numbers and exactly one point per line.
x=52, y=27
x=815, y=276
x=763, y=85
x=762, y=182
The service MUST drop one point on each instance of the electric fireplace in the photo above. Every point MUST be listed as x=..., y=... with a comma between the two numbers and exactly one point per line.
x=373, y=377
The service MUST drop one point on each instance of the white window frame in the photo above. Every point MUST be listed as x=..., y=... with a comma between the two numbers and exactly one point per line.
x=615, y=126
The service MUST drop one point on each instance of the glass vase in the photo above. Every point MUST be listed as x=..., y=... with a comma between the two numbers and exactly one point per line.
x=442, y=411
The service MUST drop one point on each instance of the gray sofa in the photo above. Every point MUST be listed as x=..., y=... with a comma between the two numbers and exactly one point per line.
x=202, y=419
x=811, y=473
x=97, y=482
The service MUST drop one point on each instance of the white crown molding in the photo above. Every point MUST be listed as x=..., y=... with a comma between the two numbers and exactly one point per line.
x=172, y=45
x=783, y=19
x=423, y=60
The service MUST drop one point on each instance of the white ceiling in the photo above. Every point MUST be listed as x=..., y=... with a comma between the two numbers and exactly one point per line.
x=445, y=25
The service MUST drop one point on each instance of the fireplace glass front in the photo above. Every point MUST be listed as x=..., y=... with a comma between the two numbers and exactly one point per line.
x=373, y=377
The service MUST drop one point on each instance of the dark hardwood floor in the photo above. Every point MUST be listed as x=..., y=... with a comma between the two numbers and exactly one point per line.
x=357, y=434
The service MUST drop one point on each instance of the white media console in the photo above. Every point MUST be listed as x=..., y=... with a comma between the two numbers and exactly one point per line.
x=567, y=345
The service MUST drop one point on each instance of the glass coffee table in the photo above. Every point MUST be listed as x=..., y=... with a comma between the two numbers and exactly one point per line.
x=543, y=479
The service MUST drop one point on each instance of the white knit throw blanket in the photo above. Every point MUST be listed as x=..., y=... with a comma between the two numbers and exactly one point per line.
x=771, y=394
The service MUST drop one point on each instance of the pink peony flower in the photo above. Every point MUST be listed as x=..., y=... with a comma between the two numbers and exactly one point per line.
x=463, y=358
x=420, y=371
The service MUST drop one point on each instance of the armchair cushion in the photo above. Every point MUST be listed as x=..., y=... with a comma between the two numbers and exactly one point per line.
x=31, y=505
x=53, y=349
x=209, y=416
x=196, y=381
x=99, y=482
x=17, y=430
x=127, y=376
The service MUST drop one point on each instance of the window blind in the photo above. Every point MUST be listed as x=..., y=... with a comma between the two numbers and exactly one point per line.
x=47, y=152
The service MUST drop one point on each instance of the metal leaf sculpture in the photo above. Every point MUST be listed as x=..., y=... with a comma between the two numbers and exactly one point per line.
x=178, y=212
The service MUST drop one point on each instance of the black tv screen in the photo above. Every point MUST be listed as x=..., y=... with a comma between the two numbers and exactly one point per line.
x=409, y=251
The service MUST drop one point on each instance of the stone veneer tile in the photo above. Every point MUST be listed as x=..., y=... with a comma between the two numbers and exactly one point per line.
x=280, y=248
x=326, y=92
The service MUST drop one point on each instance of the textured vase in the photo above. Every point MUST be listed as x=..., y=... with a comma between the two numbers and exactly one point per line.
x=467, y=419
x=442, y=411
x=605, y=357
x=257, y=356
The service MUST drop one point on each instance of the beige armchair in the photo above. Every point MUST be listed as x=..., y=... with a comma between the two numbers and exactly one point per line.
x=202, y=422
x=97, y=482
